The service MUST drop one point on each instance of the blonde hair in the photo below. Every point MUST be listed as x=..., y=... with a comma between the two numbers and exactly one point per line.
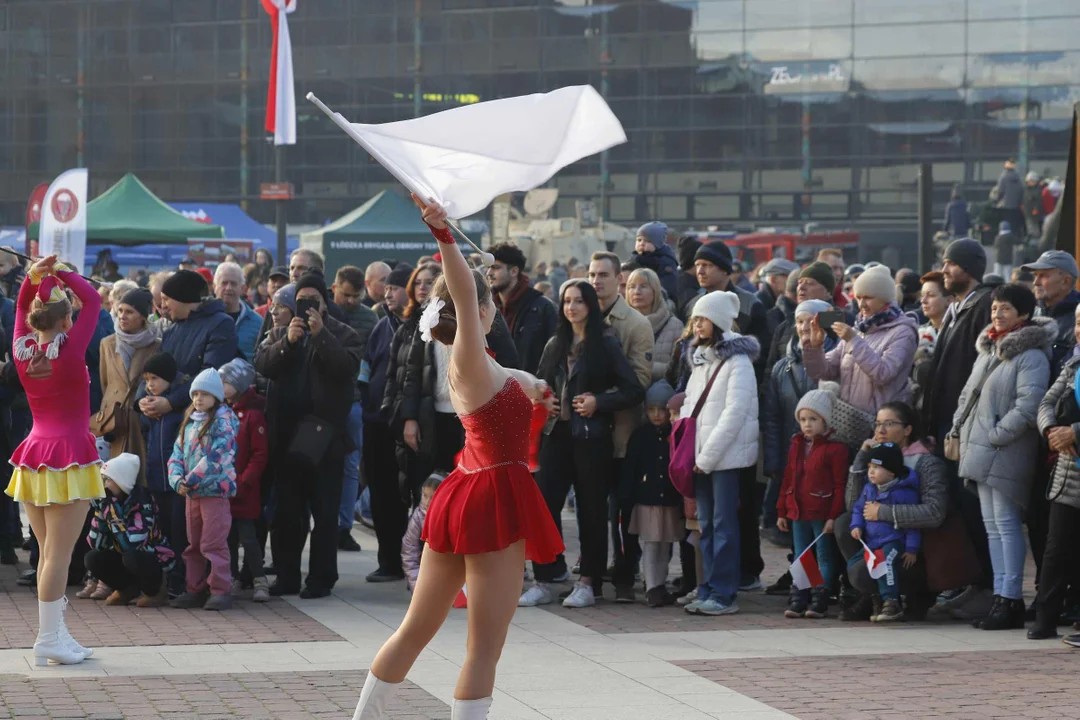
x=46, y=316
x=654, y=282
x=211, y=415
x=446, y=330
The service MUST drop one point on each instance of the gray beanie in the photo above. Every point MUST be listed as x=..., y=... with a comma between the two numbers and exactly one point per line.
x=659, y=394
x=969, y=255
x=819, y=401
x=239, y=373
x=208, y=381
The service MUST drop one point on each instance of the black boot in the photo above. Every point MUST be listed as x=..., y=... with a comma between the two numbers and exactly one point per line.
x=1045, y=627
x=848, y=594
x=859, y=610
x=781, y=586
x=819, y=603
x=995, y=608
x=798, y=601
x=1002, y=616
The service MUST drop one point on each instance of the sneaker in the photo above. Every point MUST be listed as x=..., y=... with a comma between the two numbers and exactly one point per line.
x=219, y=602
x=563, y=577
x=750, y=583
x=190, y=601
x=28, y=578
x=101, y=592
x=86, y=592
x=713, y=608
x=798, y=602
x=538, y=594
x=625, y=595
x=692, y=608
x=581, y=596
x=890, y=612
x=688, y=598
x=262, y=590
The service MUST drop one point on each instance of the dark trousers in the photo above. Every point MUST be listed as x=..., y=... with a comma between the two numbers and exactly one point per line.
x=584, y=465
x=688, y=563
x=1060, y=563
x=626, y=548
x=243, y=532
x=1037, y=516
x=172, y=518
x=388, y=510
x=750, y=494
x=303, y=493
x=123, y=571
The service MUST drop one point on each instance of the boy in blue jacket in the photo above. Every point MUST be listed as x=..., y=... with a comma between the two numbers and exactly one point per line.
x=652, y=251
x=891, y=483
x=159, y=374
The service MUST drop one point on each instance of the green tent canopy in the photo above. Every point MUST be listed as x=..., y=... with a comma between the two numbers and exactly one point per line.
x=129, y=214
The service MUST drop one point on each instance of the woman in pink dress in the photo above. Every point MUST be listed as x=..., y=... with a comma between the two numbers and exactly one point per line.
x=57, y=468
x=488, y=516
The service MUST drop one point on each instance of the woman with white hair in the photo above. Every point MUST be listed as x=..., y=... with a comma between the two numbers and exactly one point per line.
x=645, y=294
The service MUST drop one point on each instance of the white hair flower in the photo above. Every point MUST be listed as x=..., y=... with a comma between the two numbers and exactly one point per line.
x=430, y=318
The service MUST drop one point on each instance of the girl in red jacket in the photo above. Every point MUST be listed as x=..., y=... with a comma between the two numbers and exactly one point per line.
x=812, y=497
x=252, y=454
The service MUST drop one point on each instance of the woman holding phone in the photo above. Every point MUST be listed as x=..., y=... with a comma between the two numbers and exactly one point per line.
x=873, y=359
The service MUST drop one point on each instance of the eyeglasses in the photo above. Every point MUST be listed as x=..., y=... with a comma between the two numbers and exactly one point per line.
x=888, y=425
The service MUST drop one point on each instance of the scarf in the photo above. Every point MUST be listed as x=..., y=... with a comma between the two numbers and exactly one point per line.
x=890, y=313
x=658, y=319
x=994, y=335
x=127, y=343
x=509, y=309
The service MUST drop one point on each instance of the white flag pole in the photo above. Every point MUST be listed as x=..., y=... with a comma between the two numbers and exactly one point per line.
x=487, y=258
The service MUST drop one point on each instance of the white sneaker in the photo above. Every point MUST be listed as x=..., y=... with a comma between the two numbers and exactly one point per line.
x=538, y=594
x=688, y=597
x=582, y=596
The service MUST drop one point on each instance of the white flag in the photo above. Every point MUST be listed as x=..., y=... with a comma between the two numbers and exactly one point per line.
x=63, y=219
x=463, y=158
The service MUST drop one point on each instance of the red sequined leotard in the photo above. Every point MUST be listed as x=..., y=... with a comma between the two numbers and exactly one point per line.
x=491, y=500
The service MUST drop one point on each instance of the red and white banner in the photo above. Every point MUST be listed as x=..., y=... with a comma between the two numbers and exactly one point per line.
x=875, y=561
x=63, y=218
x=281, y=96
x=805, y=573
x=33, y=214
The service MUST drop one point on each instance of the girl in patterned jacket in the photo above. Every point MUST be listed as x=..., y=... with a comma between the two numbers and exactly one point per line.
x=202, y=469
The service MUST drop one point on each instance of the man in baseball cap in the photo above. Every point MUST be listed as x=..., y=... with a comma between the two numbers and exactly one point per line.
x=1055, y=287
x=774, y=277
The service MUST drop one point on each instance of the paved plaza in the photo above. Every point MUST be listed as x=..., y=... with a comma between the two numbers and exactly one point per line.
x=307, y=659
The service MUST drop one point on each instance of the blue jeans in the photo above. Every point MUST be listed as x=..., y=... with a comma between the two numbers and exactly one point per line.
x=889, y=583
x=717, y=508
x=803, y=533
x=1008, y=550
x=350, y=484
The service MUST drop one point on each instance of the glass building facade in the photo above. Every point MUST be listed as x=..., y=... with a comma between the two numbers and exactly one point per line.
x=756, y=111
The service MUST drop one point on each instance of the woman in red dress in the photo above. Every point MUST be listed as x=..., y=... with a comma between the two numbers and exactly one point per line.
x=488, y=516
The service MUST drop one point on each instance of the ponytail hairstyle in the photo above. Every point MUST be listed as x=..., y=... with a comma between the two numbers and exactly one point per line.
x=45, y=316
x=446, y=330
x=211, y=415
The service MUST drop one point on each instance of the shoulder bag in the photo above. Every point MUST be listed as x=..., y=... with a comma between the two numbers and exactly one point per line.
x=683, y=444
x=952, y=440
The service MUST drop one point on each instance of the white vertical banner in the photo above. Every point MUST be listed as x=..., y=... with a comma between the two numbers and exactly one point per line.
x=63, y=219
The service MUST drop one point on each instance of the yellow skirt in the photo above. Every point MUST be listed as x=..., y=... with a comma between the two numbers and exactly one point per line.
x=56, y=487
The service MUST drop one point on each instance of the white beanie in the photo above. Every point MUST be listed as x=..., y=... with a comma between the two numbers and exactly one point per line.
x=208, y=381
x=718, y=307
x=819, y=401
x=813, y=307
x=876, y=282
x=122, y=470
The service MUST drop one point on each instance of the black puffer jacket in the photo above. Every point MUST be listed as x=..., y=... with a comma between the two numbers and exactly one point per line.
x=396, y=370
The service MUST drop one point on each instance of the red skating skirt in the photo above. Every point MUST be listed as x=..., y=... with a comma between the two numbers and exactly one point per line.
x=490, y=510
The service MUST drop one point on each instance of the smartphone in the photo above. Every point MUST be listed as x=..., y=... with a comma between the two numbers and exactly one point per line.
x=303, y=305
x=826, y=319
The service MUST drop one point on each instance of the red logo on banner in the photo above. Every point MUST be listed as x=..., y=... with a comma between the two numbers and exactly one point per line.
x=64, y=206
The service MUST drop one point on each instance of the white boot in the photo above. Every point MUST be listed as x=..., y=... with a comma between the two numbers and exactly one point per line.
x=471, y=709
x=50, y=646
x=373, y=698
x=66, y=637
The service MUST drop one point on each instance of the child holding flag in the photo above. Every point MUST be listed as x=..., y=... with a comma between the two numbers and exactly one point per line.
x=811, y=498
x=891, y=483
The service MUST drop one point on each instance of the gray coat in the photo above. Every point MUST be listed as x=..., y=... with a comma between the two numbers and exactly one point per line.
x=933, y=490
x=999, y=442
x=1065, y=479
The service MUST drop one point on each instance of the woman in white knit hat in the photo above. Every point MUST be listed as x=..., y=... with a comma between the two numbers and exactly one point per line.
x=726, y=440
x=874, y=358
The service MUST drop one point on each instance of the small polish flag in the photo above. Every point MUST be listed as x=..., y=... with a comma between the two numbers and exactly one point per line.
x=875, y=561
x=805, y=573
x=460, y=601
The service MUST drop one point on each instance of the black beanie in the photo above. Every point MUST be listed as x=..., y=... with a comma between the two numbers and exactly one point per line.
x=313, y=280
x=1018, y=296
x=141, y=299
x=688, y=246
x=717, y=253
x=969, y=255
x=163, y=365
x=186, y=286
x=821, y=272
x=399, y=276
x=888, y=456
